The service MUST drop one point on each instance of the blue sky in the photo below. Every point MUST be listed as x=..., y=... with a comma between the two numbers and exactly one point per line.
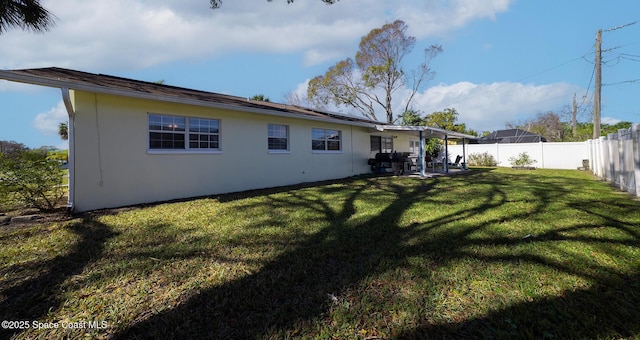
x=503, y=60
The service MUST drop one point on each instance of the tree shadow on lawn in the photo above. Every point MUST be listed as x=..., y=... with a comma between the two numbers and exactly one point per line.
x=293, y=289
x=33, y=298
x=609, y=309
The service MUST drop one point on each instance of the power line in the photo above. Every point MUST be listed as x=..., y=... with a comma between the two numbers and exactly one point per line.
x=593, y=72
x=630, y=57
x=619, y=27
x=554, y=67
x=622, y=82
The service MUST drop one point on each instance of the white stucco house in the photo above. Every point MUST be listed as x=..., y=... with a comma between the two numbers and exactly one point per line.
x=133, y=142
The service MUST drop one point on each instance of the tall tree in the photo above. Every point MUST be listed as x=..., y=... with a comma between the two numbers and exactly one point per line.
x=11, y=147
x=446, y=119
x=293, y=98
x=412, y=118
x=377, y=68
x=25, y=14
x=547, y=124
x=217, y=3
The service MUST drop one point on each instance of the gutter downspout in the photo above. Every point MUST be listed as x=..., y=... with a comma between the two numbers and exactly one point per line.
x=66, y=98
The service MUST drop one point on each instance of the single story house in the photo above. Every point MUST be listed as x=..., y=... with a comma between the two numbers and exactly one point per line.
x=511, y=136
x=133, y=142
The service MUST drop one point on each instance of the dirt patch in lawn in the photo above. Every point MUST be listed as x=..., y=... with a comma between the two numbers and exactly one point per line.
x=25, y=218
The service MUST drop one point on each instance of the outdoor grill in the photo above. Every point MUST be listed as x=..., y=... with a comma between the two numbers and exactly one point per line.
x=389, y=162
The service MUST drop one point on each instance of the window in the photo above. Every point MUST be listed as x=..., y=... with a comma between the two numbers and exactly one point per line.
x=381, y=144
x=278, y=137
x=414, y=147
x=204, y=133
x=326, y=140
x=172, y=132
x=166, y=132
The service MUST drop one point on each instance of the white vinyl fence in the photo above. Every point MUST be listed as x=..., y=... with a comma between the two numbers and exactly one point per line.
x=614, y=158
x=546, y=155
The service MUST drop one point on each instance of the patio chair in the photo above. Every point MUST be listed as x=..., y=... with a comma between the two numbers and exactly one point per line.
x=457, y=162
x=412, y=163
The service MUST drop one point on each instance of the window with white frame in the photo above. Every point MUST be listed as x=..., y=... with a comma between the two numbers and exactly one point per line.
x=326, y=140
x=381, y=144
x=278, y=137
x=414, y=147
x=204, y=133
x=181, y=133
x=166, y=132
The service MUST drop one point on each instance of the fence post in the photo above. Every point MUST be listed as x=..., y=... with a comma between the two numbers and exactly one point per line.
x=622, y=168
x=541, y=143
x=604, y=159
x=635, y=136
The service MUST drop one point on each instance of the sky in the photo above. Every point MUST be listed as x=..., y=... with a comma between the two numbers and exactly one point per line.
x=502, y=60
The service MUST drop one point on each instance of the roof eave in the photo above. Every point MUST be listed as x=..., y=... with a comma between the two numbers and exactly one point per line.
x=77, y=86
x=431, y=130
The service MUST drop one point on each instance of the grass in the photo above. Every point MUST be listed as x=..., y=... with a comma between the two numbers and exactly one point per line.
x=494, y=253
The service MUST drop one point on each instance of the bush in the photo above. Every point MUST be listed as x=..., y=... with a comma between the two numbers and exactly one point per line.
x=481, y=159
x=433, y=148
x=32, y=178
x=522, y=160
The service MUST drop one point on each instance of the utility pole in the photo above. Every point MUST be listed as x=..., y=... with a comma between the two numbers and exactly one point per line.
x=598, y=86
x=574, y=113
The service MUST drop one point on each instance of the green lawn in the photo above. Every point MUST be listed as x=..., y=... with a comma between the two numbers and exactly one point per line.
x=492, y=253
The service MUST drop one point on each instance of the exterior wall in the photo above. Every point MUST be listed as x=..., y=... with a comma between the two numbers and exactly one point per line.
x=547, y=155
x=113, y=166
x=400, y=141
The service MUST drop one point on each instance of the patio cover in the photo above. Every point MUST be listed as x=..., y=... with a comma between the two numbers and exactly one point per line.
x=430, y=132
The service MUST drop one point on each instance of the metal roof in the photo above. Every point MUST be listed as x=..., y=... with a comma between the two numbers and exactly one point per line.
x=511, y=136
x=427, y=131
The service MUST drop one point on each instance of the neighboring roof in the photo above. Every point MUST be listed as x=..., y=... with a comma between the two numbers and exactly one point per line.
x=511, y=136
x=101, y=83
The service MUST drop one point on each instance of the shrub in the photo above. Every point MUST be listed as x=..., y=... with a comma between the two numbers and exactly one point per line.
x=32, y=178
x=522, y=160
x=481, y=159
x=433, y=148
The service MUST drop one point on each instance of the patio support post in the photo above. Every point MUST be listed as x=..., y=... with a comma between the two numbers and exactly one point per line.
x=446, y=154
x=71, y=160
x=464, y=155
x=421, y=155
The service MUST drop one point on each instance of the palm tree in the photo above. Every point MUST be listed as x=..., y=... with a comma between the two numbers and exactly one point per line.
x=261, y=98
x=25, y=14
x=63, y=131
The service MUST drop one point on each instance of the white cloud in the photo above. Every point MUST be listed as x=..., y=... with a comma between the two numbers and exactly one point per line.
x=101, y=35
x=47, y=122
x=439, y=17
x=482, y=107
x=489, y=106
x=609, y=120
